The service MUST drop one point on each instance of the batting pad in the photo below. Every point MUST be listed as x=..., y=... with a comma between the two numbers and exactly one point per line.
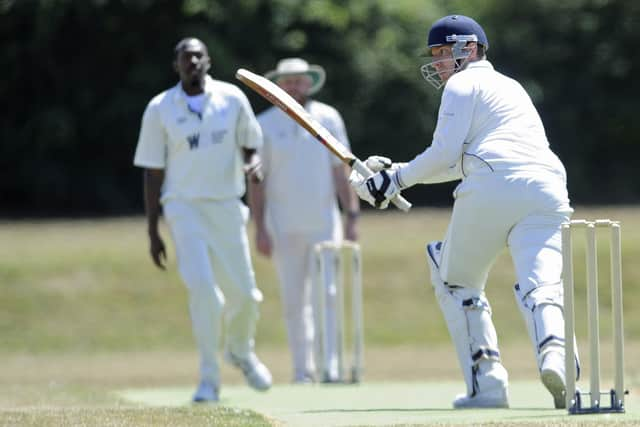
x=468, y=316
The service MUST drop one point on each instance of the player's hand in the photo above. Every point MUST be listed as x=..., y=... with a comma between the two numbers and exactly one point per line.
x=378, y=189
x=157, y=250
x=253, y=168
x=378, y=163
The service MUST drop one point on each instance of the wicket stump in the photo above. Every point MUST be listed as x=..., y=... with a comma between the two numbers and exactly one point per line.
x=575, y=403
x=337, y=252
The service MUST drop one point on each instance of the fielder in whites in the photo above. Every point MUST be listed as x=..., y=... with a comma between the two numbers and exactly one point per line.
x=197, y=142
x=290, y=219
x=512, y=195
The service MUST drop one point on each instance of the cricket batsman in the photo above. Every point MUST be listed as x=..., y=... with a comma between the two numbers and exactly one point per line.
x=512, y=194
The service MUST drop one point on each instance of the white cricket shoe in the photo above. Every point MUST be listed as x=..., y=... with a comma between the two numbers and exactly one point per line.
x=255, y=372
x=331, y=373
x=492, y=390
x=496, y=398
x=206, y=392
x=553, y=377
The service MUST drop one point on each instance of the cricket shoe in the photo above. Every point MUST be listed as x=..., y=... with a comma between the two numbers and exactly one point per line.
x=331, y=379
x=207, y=392
x=304, y=379
x=491, y=391
x=553, y=377
x=255, y=372
x=331, y=372
x=496, y=398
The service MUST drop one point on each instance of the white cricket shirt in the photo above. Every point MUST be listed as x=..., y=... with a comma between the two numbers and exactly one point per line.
x=299, y=189
x=486, y=122
x=200, y=152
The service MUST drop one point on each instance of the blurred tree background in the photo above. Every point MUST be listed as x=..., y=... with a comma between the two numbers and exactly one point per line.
x=77, y=75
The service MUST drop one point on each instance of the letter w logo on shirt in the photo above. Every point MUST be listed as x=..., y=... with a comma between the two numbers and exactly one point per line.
x=193, y=141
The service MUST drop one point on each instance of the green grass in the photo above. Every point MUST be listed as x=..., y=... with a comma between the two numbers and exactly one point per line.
x=188, y=416
x=82, y=285
x=83, y=312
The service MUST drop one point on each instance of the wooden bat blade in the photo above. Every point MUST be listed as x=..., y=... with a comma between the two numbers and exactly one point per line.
x=281, y=99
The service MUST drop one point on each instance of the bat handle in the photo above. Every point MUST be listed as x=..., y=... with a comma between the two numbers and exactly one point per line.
x=400, y=202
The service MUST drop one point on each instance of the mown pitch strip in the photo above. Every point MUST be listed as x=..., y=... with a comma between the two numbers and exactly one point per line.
x=384, y=403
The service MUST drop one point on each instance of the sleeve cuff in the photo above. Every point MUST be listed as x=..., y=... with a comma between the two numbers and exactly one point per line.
x=397, y=179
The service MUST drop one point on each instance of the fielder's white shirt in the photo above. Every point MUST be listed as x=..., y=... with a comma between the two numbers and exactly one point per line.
x=299, y=189
x=486, y=122
x=199, y=151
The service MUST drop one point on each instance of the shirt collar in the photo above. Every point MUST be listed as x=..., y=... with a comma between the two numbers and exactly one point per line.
x=483, y=63
x=180, y=94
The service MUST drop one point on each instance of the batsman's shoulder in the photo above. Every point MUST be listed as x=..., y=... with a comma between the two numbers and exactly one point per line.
x=459, y=85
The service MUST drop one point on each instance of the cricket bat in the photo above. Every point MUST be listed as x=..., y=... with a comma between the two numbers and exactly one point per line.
x=278, y=97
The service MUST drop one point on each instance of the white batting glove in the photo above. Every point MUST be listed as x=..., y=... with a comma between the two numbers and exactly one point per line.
x=377, y=190
x=377, y=163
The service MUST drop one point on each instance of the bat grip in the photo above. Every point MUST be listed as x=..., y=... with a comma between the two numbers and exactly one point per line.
x=399, y=201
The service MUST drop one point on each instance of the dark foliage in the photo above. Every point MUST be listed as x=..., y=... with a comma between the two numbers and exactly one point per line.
x=77, y=75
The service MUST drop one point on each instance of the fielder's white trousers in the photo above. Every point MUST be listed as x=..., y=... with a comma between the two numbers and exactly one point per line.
x=293, y=256
x=214, y=262
x=493, y=211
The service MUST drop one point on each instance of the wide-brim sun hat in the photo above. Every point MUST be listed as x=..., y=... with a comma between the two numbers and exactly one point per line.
x=297, y=66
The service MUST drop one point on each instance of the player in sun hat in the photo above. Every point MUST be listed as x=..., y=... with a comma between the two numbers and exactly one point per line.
x=290, y=219
x=297, y=67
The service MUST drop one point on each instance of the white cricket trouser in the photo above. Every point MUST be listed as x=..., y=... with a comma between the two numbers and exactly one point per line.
x=293, y=256
x=214, y=262
x=493, y=211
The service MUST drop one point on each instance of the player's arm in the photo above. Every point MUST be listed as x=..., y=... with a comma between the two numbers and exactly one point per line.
x=153, y=179
x=256, y=199
x=454, y=121
x=151, y=155
x=452, y=173
x=249, y=138
x=251, y=141
x=348, y=200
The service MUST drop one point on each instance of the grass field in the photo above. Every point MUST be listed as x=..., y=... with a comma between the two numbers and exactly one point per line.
x=92, y=334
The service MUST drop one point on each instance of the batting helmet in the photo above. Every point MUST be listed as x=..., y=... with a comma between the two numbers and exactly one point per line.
x=457, y=31
x=453, y=28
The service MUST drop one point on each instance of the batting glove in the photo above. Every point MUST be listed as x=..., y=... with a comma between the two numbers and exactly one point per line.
x=378, y=163
x=378, y=189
